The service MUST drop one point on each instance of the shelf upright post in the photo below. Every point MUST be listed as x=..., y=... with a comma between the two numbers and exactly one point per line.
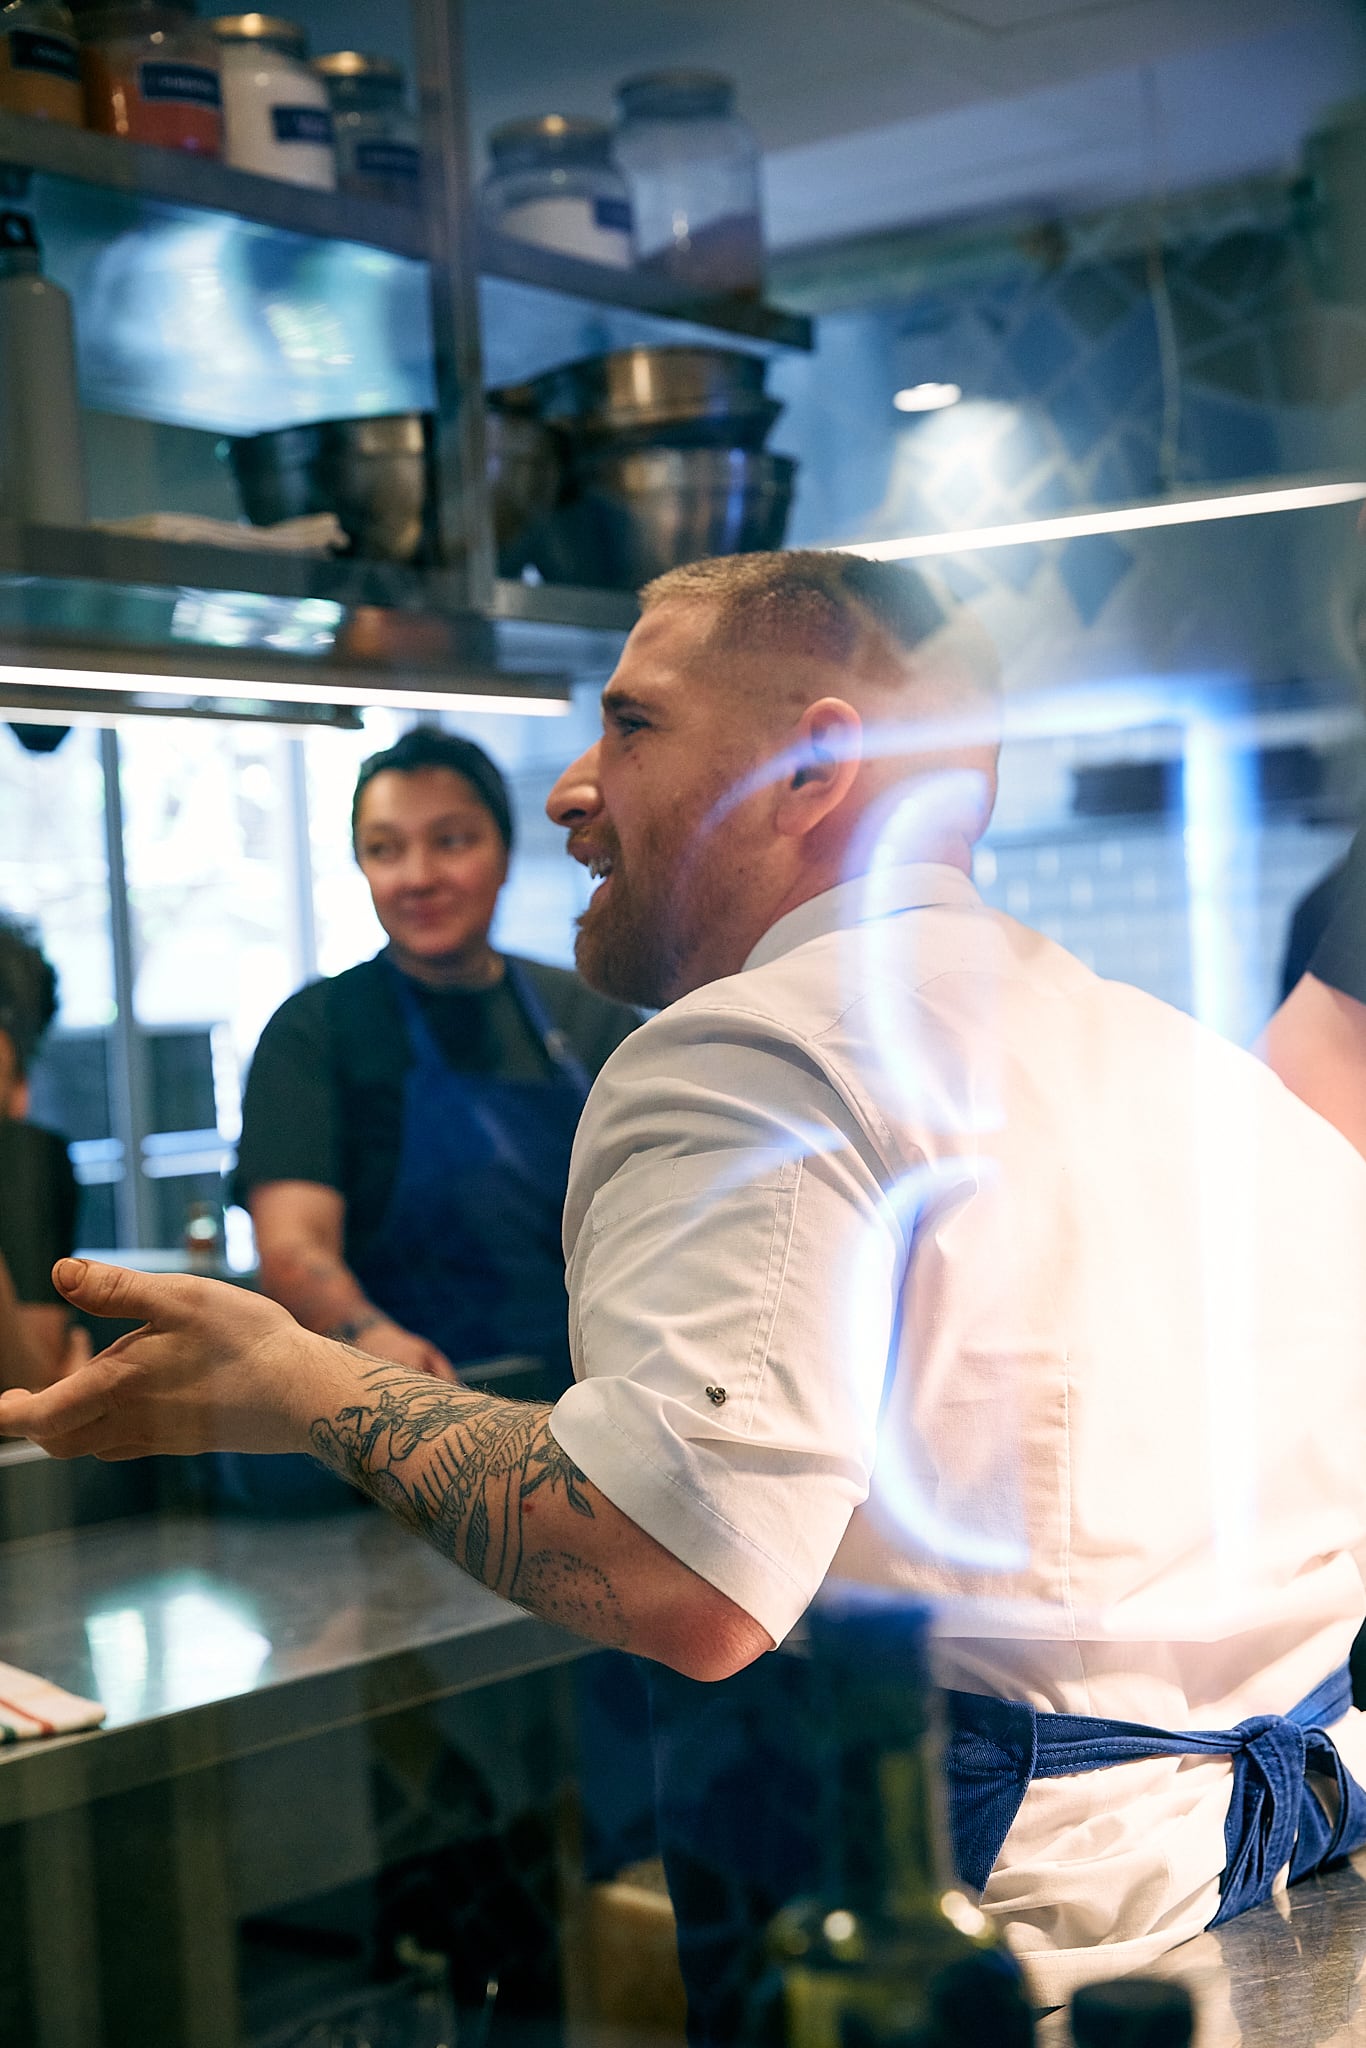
x=129, y=1078
x=463, y=524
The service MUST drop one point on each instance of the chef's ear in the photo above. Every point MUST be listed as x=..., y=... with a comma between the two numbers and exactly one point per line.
x=825, y=752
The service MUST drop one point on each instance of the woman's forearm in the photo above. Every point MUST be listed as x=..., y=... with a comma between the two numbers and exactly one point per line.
x=318, y=1288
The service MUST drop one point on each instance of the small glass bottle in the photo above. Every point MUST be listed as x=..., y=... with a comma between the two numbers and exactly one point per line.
x=204, y=1236
x=552, y=182
x=892, y=1951
x=40, y=66
x=277, y=120
x=376, y=136
x=151, y=73
x=692, y=166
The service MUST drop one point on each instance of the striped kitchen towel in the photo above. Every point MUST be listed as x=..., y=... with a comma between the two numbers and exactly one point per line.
x=31, y=1706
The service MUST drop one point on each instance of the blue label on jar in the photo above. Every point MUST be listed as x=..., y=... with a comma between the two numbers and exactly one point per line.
x=192, y=85
x=614, y=214
x=387, y=160
x=53, y=55
x=302, y=124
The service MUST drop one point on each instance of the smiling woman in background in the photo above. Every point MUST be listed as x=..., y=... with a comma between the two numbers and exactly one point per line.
x=407, y=1124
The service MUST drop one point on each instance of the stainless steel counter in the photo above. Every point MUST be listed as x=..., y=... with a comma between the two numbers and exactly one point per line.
x=209, y=1639
x=1286, y=1975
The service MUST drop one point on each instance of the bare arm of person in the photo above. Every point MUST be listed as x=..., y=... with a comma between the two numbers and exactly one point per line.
x=1316, y=1042
x=299, y=1234
x=482, y=1479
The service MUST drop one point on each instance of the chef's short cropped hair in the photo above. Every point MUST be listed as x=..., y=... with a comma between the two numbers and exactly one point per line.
x=882, y=620
x=427, y=746
x=28, y=989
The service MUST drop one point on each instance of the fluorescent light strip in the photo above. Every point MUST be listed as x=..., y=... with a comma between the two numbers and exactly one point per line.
x=280, y=692
x=1114, y=519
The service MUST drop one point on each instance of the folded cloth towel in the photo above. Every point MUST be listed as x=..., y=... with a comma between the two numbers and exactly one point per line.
x=31, y=1706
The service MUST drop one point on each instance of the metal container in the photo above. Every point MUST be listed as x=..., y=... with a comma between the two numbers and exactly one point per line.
x=374, y=474
x=523, y=466
x=679, y=396
x=650, y=509
x=276, y=474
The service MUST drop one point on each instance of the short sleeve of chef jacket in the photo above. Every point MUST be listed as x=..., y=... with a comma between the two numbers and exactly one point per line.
x=725, y=1219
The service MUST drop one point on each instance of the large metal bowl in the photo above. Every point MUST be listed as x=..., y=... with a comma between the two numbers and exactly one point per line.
x=375, y=475
x=678, y=396
x=650, y=509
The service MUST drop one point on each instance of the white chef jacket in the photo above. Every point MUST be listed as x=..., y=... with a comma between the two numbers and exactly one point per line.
x=918, y=1254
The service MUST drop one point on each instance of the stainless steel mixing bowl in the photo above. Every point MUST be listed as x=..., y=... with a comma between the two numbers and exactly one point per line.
x=276, y=474
x=375, y=475
x=679, y=396
x=650, y=509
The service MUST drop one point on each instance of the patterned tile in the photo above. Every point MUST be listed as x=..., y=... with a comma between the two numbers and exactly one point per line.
x=1092, y=568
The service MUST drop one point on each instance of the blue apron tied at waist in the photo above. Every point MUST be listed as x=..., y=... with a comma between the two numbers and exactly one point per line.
x=998, y=1746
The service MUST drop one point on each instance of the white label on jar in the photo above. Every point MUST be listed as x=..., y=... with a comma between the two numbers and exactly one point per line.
x=193, y=85
x=311, y=125
x=572, y=226
x=387, y=160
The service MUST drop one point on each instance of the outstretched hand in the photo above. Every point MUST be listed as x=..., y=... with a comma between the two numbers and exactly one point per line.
x=213, y=1368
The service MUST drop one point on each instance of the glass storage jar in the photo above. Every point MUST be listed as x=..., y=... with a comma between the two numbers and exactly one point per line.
x=40, y=66
x=151, y=73
x=692, y=166
x=376, y=136
x=553, y=182
x=277, y=119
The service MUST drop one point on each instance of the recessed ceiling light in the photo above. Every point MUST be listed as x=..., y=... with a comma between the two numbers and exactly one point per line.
x=927, y=397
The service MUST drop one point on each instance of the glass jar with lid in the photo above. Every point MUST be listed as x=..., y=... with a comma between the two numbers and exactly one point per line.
x=376, y=136
x=552, y=181
x=151, y=73
x=40, y=67
x=277, y=119
x=692, y=166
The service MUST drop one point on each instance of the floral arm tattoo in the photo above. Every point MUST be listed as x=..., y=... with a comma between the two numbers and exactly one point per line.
x=476, y=1476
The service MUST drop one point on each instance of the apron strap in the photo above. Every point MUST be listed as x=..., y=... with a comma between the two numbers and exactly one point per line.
x=998, y=1746
x=557, y=1047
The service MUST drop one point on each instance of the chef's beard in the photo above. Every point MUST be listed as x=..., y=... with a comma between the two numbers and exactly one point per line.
x=635, y=942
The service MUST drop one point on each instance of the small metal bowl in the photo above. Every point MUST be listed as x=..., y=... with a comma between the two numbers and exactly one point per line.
x=276, y=474
x=524, y=470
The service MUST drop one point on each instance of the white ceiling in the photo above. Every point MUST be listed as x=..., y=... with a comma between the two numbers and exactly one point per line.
x=877, y=113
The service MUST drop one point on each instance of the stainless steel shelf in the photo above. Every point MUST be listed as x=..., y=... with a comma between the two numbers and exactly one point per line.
x=565, y=604
x=175, y=178
x=500, y=256
x=180, y=181
x=92, y=553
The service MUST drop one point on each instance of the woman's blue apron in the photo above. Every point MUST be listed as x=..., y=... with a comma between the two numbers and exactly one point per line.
x=740, y=1778
x=468, y=1253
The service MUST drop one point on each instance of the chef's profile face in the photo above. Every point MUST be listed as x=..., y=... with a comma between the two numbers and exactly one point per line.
x=435, y=862
x=641, y=811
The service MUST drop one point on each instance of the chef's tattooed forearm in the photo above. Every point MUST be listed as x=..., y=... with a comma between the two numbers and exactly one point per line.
x=473, y=1474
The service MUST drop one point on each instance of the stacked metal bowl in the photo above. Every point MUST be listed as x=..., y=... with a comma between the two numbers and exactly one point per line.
x=665, y=462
